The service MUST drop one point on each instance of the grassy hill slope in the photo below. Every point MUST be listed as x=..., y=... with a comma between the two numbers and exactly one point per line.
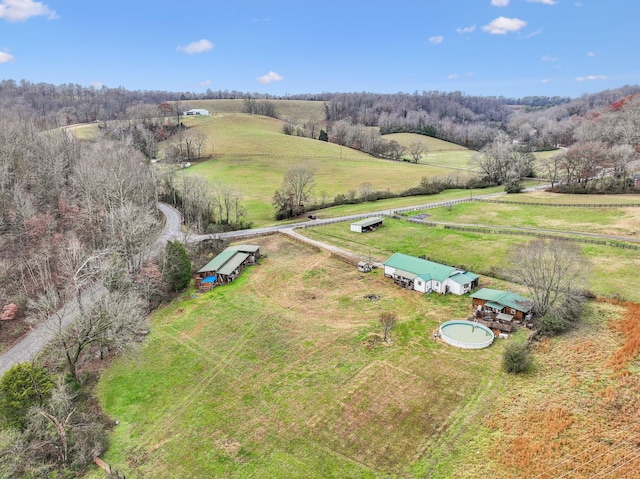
x=252, y=154
x=295, y=111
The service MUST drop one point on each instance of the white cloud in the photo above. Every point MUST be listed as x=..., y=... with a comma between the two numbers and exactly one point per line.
x=592, y=78
x=23, y=10
x=591, y=54
x=549, y=58
x=437, y=40
x=470, y=74
x=503, y=25
x=578, y=4
x=545, y=80
x=546, y=2
x=500, y=3
x=270, y=77
x=453, y=76
x=533, y=34
x=97, y=84
x=200, y=46
x=466, y=29
x=5, y=57
x=205, y=83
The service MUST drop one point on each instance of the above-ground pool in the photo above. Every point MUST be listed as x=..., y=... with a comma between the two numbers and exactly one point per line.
x=466, y=334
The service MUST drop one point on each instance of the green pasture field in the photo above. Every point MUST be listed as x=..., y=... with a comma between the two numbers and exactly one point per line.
x=295, y=111
x=283, y=374
x=441, y=153
x=616, y=221
x=251, y=154
x=608, y=271
x=544, y=197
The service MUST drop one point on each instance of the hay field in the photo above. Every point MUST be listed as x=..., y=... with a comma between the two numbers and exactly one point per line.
x=282, y=374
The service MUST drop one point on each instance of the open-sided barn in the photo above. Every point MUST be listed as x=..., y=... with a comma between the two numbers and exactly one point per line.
x=367, y=224
x=226, y=267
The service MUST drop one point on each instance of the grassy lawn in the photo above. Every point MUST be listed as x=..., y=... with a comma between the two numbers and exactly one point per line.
x=280, y=375
x=295, y=111
x=544, y=197
x=252, y=154
x=609, y=268
x=440, y=152
x=618, y=221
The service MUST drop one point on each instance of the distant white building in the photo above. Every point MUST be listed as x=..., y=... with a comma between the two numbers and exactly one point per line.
x=197, y=111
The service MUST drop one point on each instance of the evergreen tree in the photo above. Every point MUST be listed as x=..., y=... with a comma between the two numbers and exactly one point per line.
x=21, y=387
x=176, y=269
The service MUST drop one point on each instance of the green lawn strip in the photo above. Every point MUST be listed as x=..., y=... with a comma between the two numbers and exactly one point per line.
x=572, y=199
x=592, y=220
x=608, y=272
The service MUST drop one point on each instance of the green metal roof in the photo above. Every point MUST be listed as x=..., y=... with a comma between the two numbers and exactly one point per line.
x=369, y=221
x=464, y=278
x=221, y=260
x=216, y=263
x=244, y=248
x=233, y=263
x=494, y=305
x=504, y=298
x=420, y=267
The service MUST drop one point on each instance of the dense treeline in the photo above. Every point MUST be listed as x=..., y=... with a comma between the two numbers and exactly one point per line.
x=466, y=120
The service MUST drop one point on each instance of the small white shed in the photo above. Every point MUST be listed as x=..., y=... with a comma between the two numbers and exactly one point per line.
x=367, y=224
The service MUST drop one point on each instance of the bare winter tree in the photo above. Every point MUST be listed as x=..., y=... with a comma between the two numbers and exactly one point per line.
x=299, y=181
x=129, y=229
x=396, y=150
x=60, y=435
x=552, y=167
x=417, y=149
x=111, y=321
x=365, y=190
x=296, y=189
x=388, y=321
x=551, y=270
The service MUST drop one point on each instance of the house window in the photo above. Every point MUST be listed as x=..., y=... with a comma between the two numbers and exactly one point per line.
x=513, y=311
x=419, y=283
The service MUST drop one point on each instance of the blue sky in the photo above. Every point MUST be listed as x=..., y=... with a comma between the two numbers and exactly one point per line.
x=511, y=48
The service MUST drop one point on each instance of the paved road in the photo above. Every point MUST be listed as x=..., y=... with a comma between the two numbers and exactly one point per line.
x=31, y=344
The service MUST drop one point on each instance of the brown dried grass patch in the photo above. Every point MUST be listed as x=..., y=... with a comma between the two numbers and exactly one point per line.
x=576, y=419
x=379, y=418
x=629, y=327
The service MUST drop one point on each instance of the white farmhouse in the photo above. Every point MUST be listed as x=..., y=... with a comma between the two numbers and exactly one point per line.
x=426, y=276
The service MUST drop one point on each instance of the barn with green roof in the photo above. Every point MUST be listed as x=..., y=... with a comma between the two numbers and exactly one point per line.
x=427, y=276
x=225, y=267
